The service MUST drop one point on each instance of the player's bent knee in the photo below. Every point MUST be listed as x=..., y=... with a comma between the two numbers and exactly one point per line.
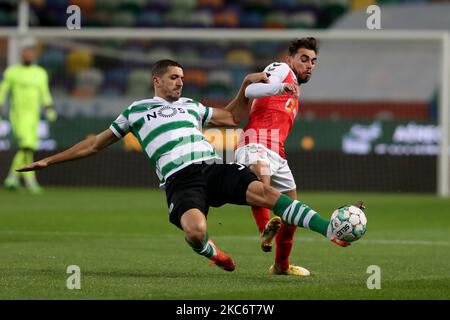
x=271, y=196
x=193, y=223
x=195, y=233
x=196, y=236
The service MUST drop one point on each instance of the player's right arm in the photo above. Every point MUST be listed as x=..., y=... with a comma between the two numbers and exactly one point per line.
x=276, y=73
x=89, y=146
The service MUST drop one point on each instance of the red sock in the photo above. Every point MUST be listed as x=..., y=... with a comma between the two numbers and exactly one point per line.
x=262, y=216
x=284, y=242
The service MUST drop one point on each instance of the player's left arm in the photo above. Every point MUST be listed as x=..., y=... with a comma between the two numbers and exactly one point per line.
x=239, y=108
x=89, y=146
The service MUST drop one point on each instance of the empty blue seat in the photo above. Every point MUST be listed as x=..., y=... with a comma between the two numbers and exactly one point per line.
x=251, y=19
x=52, y=59
x=150, y=19
x=265, y=50
x=110, y=91
x=213, y=52
x=116, y=78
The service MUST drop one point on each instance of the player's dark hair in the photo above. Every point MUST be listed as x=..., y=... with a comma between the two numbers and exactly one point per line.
x=160, y=67
x=309, y=43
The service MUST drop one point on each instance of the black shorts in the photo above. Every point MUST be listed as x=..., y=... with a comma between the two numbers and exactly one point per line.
x=201, y=185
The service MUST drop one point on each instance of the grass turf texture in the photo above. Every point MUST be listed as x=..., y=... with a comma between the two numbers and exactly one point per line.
x=126, y=249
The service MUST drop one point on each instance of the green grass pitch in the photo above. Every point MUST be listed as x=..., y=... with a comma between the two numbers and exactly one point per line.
x=126, y=249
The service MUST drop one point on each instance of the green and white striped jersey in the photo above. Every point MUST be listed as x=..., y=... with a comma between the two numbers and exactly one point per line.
x=170, y=134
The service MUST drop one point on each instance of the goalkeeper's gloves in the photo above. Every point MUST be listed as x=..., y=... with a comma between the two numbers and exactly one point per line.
x=50, y=114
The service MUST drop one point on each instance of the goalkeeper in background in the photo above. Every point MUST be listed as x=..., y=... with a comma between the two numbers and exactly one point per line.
x=27, y=85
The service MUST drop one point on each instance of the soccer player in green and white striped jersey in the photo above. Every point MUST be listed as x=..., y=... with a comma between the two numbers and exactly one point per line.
x=168, y=128
x=169, y=145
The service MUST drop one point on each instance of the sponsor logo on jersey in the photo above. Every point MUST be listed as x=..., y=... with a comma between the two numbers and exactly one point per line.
x=167, y=112
x=290, y=106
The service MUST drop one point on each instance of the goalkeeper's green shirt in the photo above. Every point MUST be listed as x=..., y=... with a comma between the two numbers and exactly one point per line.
x=28, y=87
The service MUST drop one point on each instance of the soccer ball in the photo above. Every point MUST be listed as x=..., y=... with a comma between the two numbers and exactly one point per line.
x=348, y=223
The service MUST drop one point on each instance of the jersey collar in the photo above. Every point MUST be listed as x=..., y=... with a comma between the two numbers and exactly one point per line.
x=164, y=100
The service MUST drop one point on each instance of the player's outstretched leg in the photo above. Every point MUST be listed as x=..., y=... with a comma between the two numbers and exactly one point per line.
x=193, y=223
x=300, y=214
x=294, y=212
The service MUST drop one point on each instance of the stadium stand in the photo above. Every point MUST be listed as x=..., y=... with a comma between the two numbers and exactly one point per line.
x=114, y=76
x=165, y=14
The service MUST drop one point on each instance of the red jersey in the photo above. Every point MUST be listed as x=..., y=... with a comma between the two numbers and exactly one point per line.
x=272, y=117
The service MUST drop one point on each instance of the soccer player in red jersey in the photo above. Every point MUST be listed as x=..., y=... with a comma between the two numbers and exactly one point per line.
x=261, y=146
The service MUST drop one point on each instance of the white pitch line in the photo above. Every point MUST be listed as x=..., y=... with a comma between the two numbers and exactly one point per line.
x=363, y=241
x=237, y=238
